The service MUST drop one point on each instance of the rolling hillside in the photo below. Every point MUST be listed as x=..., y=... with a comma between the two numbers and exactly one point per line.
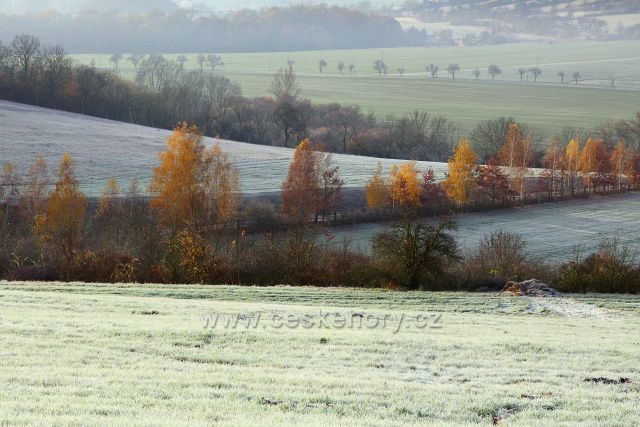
x=105, y=148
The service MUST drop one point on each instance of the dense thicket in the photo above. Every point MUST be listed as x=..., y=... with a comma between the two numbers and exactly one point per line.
x=183, y=31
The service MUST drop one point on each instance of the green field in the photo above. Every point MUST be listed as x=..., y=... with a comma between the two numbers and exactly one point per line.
x=145, y=355
x=546, y=104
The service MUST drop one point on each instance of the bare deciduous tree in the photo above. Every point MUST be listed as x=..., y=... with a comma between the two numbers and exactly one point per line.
x=536, y=73
x=523, y=72
x=25, y=49
x=493, y=71
x=453, y=69
x=322, y=64
x=380, y=67
x=576, y=77
x=135, y=59
x=115, y=59
x=214, y=61
x=561, y=75
x=433, y=70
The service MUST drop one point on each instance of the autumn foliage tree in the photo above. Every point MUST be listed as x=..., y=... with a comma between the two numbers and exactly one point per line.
x=376, y=190
x=61, y=228
x=517, y=155
x=193, y=186
x=312, y=184
x=432, y=191
x=460, y=180
x=594, y=162
x=572, y=162
x=621, y=157
x=406, y=185
x=492, y=182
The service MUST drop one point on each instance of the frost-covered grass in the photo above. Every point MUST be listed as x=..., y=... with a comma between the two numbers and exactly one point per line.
x=141, y=355
x=554, y=231
x=105, y=148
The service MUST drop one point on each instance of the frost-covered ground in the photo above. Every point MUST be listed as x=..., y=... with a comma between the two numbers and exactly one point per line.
x=104, y=148
x=153, y=355
x=553, y=230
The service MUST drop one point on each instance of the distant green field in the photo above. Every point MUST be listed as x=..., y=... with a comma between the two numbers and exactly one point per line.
x=547, y=103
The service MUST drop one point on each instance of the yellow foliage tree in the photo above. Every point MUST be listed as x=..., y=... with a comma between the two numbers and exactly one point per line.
x=376, y=190
x=572, y=160
x=192, y=186
x=63, y=224
x=593, y=160
x=620, y=158
x=406, y=185
x=109, y=205
x=461, y=180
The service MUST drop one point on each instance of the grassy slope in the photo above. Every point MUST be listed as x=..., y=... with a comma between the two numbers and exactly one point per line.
x=93, y=354
x=104, y=148
x=546, y=104
x=553, y=231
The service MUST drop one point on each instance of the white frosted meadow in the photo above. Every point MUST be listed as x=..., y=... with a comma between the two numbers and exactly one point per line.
x=142, y=355
x=103, y=149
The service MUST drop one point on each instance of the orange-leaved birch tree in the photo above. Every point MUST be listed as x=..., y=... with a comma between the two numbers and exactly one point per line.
x=376, y=190
x=491, y=181
x=461, y=178
x=193, y=187
x=406, y=185
x=311, y=184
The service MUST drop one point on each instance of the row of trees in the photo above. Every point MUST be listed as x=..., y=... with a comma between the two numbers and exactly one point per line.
x=191, y=227
x=568, y=170
x=191, y=205
x=493, y=70
x=164, y=93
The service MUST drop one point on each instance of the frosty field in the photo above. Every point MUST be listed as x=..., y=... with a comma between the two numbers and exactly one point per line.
x=145, y=355
x=554, y=231
x=104, y=148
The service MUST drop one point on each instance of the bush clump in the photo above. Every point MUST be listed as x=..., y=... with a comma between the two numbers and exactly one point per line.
x=610, y=270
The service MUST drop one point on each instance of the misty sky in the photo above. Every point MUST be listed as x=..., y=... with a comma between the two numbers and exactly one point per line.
x=72, y=6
